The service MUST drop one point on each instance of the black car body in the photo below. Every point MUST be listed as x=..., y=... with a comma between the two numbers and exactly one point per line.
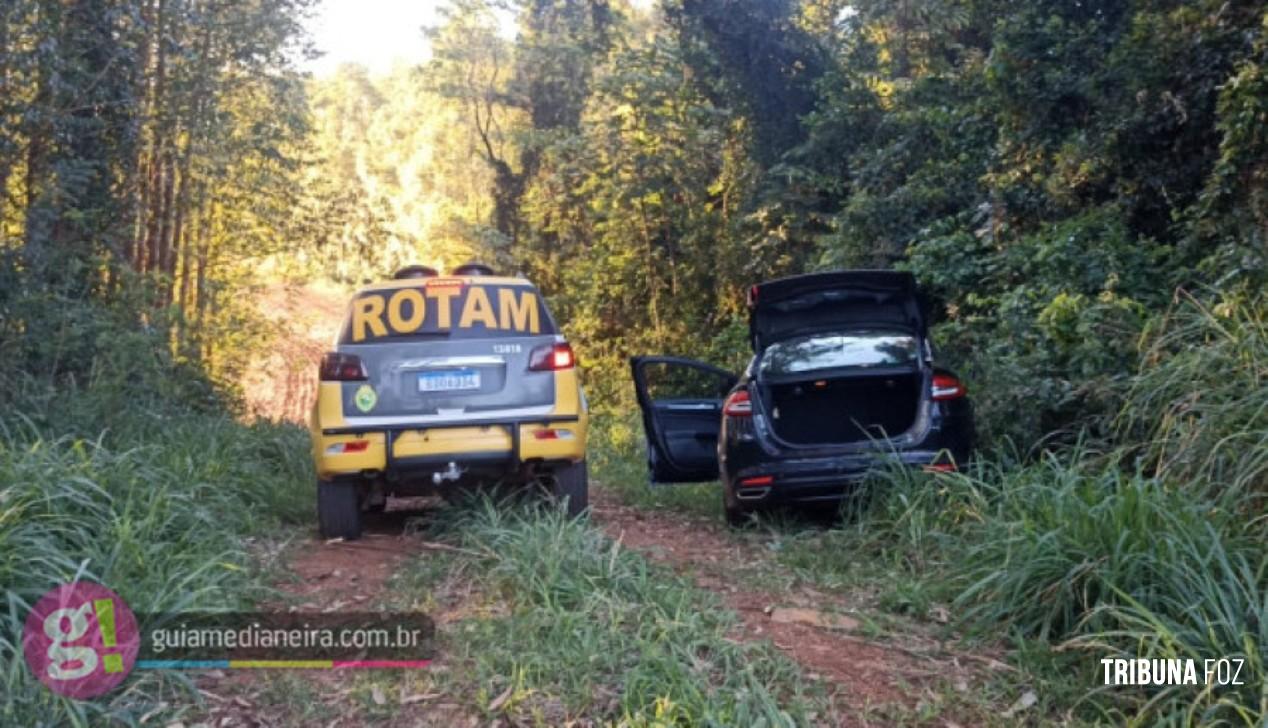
x=842, y=378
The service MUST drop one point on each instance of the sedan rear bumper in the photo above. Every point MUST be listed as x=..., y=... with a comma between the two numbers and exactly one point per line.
x=813, y=480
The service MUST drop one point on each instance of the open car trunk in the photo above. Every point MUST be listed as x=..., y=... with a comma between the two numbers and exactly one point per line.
x=839, y=355
x=844, y=409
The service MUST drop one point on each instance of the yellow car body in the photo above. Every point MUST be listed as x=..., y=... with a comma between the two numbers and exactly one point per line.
x=447, y=440
x=436, y=384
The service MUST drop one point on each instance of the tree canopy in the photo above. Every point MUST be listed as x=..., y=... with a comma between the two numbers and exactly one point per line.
x=1051, y=173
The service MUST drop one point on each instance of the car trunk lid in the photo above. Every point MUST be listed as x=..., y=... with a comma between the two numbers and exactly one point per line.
x=842, y=357
x=863, y=298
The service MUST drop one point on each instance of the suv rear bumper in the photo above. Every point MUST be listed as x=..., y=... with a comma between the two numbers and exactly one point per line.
x=495, y=444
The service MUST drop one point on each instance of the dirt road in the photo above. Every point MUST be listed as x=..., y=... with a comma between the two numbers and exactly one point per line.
x=306, y=321
x=870, y=681
x=813, y=628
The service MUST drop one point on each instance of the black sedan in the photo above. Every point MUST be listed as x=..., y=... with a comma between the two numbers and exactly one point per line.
x=842, y=378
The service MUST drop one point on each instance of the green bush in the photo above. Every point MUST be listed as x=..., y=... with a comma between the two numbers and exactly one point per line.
x=1061, y=539
x=1208, y=605
x=1043, y=326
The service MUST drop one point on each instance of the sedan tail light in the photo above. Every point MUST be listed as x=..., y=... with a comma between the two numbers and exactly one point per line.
x=552, y=357
x=339, y=367
x=946, y=386
x=738, y=404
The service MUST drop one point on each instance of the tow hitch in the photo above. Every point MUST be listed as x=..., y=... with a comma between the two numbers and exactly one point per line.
x=452, y=472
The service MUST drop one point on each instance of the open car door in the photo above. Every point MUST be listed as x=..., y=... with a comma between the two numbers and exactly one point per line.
x=681, y=402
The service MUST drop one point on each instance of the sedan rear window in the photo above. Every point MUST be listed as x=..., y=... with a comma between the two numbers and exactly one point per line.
x=446, y=308
x=839, y=351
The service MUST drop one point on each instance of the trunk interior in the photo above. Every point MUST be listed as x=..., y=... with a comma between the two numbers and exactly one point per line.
x=845, y=409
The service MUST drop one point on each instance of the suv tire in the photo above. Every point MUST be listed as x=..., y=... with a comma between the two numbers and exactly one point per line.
x=339, y=510
x=573, y=482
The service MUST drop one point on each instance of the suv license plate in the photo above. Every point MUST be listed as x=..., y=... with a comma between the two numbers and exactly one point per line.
x=449, y=380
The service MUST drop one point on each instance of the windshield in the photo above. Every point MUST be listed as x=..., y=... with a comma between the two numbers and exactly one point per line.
x=445, y=309
x=836, y=351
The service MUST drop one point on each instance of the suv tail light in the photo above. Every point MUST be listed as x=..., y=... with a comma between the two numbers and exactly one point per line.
x=946, y=386
x=738, y=405
x=552, y=357
x=338, y=367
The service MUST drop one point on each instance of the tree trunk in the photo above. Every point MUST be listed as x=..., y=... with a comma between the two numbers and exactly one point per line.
x=165, y=230
x=158, y=146
x=146, y=123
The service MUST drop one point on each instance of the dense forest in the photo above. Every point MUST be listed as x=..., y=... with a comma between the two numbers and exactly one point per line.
x=1080, y=187
x=1052, y=174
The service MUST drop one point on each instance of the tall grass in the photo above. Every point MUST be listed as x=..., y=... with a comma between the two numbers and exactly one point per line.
x=610, y=636
x=161, y=523
x=1207, y=606
x=1197, y=411
x=121, y=466
x=1085, y=556
x=1061, y=538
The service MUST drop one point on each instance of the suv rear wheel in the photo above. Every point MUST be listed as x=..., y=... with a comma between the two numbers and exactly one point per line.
x=339, y=509
x=573, y=482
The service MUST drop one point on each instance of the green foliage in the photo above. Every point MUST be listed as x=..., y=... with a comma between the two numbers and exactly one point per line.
x=756, y=60
x=1151, y=549
x=1045, y=175
x=149, y=157
x=1052, y=174
x=154, y=505
x=390, y=183
x=1046, y=328
x=161, y=523
x=1060, y=540
x=1213, y=605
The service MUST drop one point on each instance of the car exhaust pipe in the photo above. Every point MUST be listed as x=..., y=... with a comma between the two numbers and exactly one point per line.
x=752, y=493
x=453, y=472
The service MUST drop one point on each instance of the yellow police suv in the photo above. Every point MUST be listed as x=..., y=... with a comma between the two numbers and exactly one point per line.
x=442, y=383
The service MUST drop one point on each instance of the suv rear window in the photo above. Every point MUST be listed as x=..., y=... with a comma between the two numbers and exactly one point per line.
x=448, y=309
x=840, y=351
